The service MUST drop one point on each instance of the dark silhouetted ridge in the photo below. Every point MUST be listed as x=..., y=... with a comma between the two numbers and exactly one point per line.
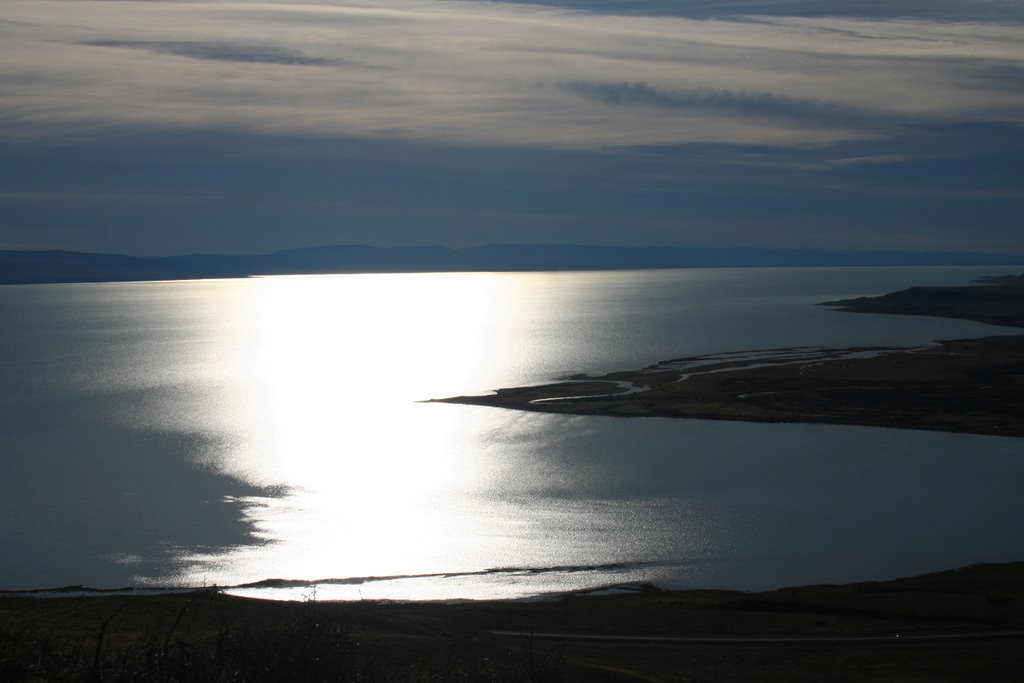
x=26, y=267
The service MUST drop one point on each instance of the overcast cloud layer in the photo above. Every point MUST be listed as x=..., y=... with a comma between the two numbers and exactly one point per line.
x=496, y=74
x=752, y=96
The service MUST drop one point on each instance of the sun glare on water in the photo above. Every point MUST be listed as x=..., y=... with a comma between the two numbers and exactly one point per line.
x=336, y=369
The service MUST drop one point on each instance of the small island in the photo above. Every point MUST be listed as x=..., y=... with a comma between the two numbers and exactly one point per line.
x=964, y=385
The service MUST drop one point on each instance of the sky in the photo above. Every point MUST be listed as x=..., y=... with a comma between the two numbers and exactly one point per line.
x=159, y=127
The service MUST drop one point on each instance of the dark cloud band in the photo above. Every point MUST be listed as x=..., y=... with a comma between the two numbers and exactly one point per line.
x=220, y=52
x=759, y=104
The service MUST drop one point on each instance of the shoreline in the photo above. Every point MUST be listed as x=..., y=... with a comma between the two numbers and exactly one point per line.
x=78, y=592
x=966, y=385
x=963, y=385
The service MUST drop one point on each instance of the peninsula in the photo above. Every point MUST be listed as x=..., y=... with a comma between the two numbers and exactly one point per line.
x=965, y=385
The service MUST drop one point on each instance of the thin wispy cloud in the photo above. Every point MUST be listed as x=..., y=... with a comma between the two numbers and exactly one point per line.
x=874, y=159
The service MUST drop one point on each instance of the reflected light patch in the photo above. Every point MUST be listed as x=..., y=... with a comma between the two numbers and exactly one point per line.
x=317, y=373
x=375, y=476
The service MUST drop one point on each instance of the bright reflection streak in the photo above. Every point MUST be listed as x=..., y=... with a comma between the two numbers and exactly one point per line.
x=336, y=367
x=317, y=346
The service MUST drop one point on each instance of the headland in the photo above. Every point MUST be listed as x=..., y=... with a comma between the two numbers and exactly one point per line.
x=965, y=385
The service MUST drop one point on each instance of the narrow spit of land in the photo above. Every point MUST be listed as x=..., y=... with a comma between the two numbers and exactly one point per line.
x=963, y=625
x=964, y=385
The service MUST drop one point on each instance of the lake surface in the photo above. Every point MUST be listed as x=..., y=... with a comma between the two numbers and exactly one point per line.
x=233, y=431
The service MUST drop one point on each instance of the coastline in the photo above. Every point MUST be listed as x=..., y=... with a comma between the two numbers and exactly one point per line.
x=966, y=385
x=963, y=385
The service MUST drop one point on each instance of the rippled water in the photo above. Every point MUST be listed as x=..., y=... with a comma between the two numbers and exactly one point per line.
x=231, y=432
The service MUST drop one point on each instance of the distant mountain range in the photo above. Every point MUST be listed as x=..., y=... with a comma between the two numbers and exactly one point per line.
x=26, y=267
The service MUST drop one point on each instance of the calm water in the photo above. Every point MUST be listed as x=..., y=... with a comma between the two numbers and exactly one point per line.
x=227, y=432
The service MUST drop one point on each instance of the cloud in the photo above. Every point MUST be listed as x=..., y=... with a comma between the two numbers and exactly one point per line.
x=467, y=73
x=225, y=52
x=948, y=10
x=873, y=159
x=752, y=104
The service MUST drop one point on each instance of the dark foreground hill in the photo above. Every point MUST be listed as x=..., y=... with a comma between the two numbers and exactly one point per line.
x=964, y=625
x=36, y=267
